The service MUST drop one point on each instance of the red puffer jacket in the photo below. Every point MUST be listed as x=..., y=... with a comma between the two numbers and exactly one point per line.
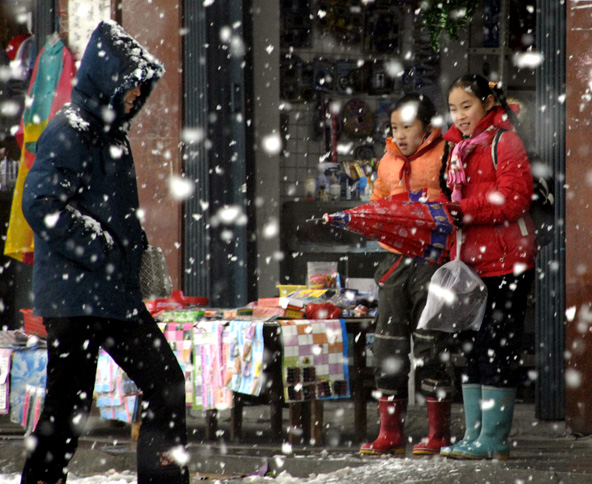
x=498, y=233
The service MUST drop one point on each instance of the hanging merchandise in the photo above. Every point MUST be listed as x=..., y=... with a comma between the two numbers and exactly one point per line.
x=334, y=136
x=14, y=48
x=380, y=81
x=358, y=119
x=343, y=75
x=341, y=19
x=382, y=118
x=296, y=24
x=492, y=23
x=425, y=74
x=5, y=359
x=324, y=75
x=331, y=131
x=318, y=118
x=352, y=77
x=360, y=78
x=21, y=54
x=296, y=79
x=50, y=88
x=381, y=30
x=364, y=152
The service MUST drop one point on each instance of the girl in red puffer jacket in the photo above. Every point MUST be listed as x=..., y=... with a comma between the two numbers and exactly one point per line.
x=498, y=242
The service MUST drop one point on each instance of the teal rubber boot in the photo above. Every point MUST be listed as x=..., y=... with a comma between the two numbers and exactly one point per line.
x=497, y=414
x=472, y=405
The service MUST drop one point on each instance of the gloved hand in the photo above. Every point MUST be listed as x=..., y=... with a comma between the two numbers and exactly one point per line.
x=456, y=213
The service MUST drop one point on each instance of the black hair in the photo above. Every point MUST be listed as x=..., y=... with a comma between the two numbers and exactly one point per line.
x=482, y=88
x=425, y=107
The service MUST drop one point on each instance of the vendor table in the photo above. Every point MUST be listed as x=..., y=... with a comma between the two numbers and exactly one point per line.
x=305, y=403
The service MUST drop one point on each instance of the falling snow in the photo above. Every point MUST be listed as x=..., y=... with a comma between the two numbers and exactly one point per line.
x=231, y=217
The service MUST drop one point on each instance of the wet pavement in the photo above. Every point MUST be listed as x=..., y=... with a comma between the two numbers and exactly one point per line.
x=542, y=451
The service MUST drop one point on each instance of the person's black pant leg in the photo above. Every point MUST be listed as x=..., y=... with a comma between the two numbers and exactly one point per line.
x=71, y=369
x=143, y=352
x=494, y=352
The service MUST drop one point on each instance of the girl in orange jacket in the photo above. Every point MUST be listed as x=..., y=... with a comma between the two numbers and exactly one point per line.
x=411, y=164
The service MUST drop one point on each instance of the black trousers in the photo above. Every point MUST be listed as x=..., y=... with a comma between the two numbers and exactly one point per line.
x=493, y=352
x=141, y=350
x=401, y=299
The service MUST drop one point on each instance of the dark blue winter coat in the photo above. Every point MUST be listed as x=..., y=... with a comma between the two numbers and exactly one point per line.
x=81, y=197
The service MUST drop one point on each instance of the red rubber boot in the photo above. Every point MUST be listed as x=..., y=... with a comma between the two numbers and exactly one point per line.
x=391, y=439
x=439, y=425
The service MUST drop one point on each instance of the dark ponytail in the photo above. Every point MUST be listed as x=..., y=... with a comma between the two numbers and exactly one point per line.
x=500, y=97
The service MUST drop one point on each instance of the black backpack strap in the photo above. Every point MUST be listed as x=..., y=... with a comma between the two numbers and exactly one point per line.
x=494, y=143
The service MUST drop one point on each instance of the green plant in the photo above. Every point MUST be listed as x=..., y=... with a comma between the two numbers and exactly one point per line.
x=448, y=16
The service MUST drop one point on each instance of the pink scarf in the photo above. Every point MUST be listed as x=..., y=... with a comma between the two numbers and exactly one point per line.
x=461, y=151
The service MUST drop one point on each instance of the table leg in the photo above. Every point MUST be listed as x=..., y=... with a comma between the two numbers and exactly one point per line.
x=359, y=365
x=296, y=431
x=236, y=417
x=316, y=422
x=211, y=424
x=135, y=431
x=135, y=435
x=276, y=417
x=273, y=370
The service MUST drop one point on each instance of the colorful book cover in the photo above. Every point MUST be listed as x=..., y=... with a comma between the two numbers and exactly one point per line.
x=180, y=337
x=5, y=357
x=28, y=370
x=244, y=363
x=314, y=363
x=210, y=350
x=117, y=395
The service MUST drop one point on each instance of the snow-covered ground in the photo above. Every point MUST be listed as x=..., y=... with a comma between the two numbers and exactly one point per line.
x=109, y=478
x=384, y=471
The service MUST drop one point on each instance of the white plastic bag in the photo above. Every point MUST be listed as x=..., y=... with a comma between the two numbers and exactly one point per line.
x=456, y=300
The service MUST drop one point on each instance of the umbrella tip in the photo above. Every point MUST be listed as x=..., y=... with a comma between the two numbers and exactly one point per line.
x=326, y=218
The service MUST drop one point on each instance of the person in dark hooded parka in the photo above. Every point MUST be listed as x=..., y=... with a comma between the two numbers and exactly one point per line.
x=81, y=200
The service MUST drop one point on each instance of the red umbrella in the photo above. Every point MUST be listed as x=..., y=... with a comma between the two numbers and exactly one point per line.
x=417, y=229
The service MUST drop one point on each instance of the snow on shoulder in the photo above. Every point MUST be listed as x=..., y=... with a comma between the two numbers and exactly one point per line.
x=75, y=119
